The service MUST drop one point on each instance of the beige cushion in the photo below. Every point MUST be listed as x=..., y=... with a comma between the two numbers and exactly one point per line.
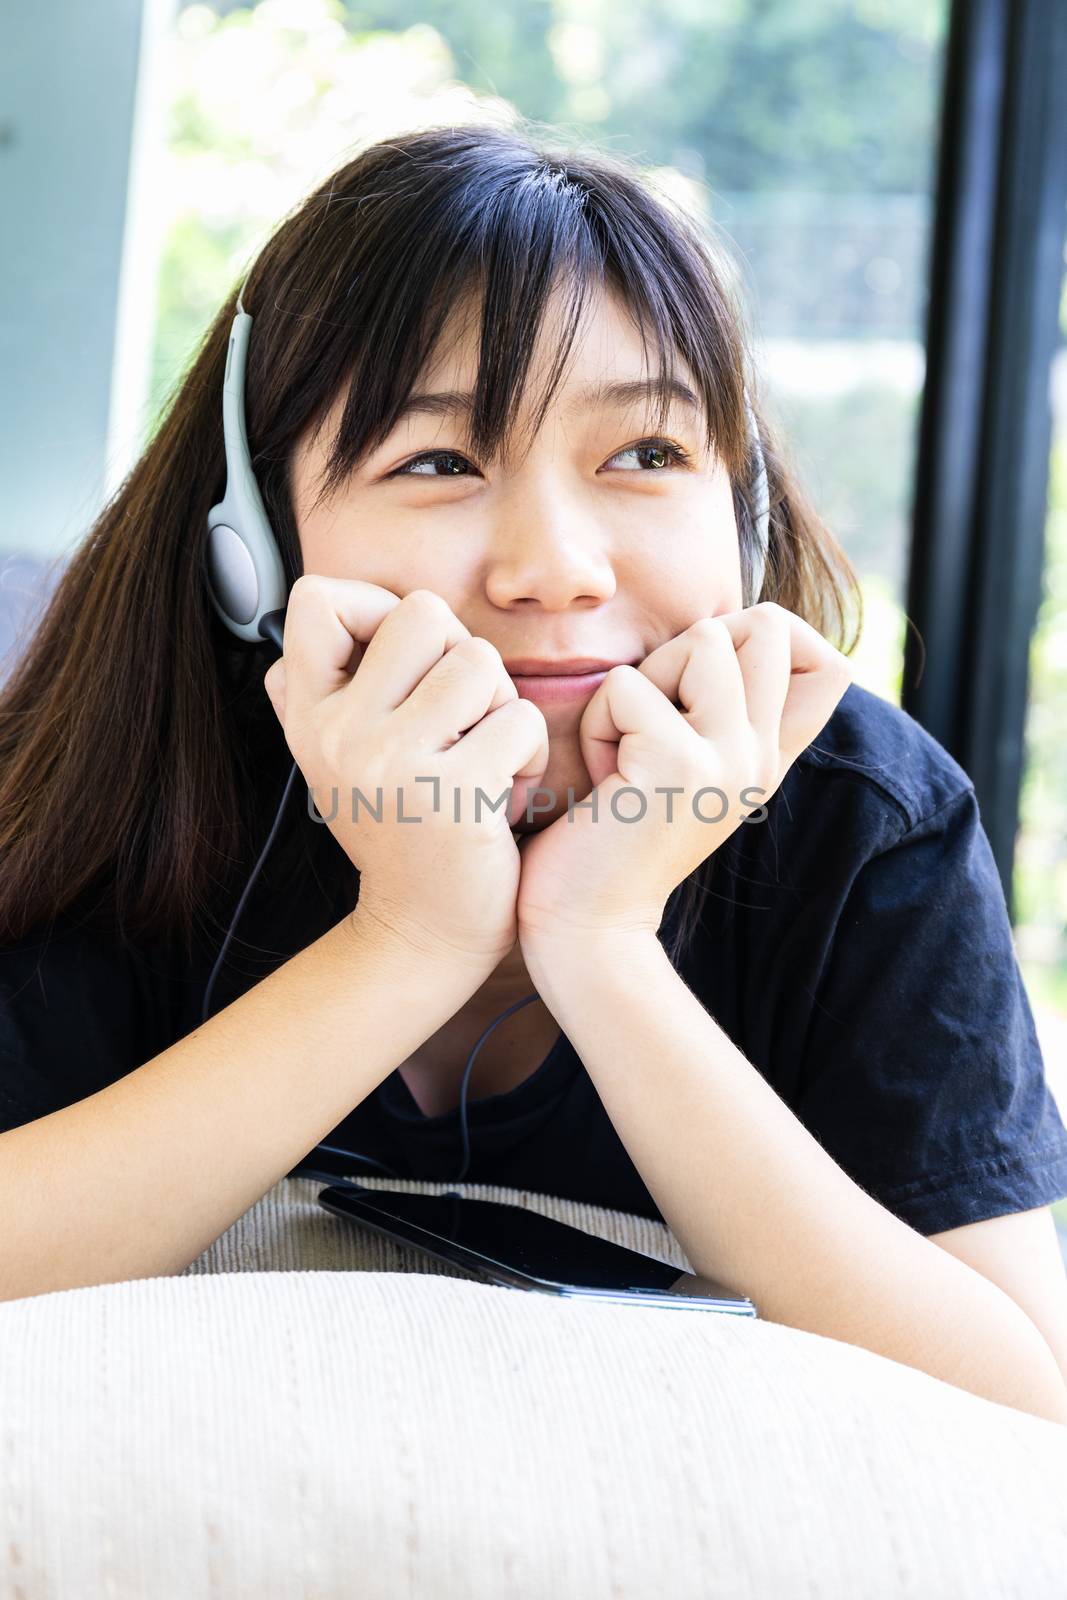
x=310, y=1410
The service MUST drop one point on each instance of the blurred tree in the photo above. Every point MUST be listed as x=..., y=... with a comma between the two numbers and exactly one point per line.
x=838, y=95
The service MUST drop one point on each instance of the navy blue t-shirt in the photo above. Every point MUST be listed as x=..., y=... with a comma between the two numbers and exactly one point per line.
x=856, y=948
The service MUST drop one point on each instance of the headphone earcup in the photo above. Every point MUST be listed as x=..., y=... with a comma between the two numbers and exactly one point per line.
x=243, y=567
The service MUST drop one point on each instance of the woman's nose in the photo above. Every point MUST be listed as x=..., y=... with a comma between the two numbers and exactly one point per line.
x=548, y=553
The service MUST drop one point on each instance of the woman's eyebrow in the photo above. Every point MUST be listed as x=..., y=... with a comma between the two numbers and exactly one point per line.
x=453, y=402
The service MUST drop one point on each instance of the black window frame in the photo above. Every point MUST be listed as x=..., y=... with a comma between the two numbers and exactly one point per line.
x=980, y=502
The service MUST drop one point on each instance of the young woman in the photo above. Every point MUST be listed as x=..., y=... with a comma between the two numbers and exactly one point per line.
x=770, y=990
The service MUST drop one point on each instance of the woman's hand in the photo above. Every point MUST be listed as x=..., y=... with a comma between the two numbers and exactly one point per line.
x=395, y=697
x=753, y=687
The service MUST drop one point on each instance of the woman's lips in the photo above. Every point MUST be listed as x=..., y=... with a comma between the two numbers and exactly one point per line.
x=551, y=690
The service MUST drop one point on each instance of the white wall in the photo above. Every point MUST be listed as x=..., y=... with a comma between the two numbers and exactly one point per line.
x=69, y=73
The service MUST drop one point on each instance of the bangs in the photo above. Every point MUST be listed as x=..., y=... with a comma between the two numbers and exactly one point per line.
x=493, y=238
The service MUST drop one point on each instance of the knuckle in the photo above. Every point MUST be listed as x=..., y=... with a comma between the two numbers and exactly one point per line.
x=526, y=710
x=478, y=650
x=489, y=650
x=309, y=588
x=308, y=598
x=426, y=600
x=478, y=658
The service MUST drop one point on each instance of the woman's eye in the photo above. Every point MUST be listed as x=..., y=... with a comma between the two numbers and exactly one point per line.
x=671, y=455
x=432, y=457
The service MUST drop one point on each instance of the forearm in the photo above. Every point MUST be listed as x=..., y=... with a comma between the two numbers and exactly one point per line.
x=139, y=1178
x=754, y=1199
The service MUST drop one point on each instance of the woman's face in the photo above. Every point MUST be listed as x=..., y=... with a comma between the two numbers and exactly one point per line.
x=587, y=546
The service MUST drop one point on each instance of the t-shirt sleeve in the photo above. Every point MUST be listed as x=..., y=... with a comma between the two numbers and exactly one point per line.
x=78, y=1010
x=922, y=1075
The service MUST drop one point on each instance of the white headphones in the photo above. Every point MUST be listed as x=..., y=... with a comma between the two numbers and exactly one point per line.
x=244, y=572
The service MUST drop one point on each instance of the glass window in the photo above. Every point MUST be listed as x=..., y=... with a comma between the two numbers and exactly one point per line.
x=1040, y=866
x=806, y=134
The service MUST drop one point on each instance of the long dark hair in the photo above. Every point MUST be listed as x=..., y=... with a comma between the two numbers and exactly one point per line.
x=140, y=760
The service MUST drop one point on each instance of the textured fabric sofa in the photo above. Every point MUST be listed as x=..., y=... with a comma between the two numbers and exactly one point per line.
x=312, y=1410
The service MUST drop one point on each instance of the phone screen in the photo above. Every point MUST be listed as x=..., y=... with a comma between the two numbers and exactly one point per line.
x=501, y=1243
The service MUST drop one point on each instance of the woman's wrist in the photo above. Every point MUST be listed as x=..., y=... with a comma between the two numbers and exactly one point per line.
x=378, y=924
x=563, y=958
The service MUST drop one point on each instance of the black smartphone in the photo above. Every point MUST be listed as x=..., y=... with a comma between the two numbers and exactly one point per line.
x=500, y=1243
